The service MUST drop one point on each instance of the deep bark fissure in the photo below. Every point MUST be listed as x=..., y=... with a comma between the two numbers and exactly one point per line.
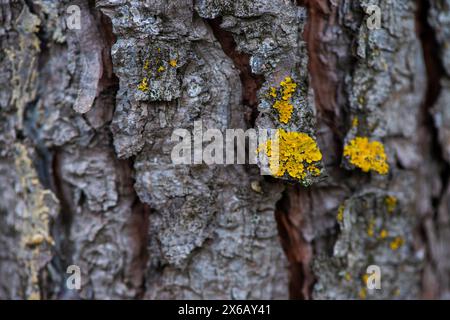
x=140, y=211
x=296, y=248
x=251, y=83
x=61, y=227
x=324, y=86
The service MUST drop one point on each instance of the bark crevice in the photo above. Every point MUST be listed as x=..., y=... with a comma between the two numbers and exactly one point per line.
x=298, y=251
x=251, y=82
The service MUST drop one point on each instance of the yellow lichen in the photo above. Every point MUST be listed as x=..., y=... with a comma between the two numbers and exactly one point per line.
x=367, y=155
x=347, y=276
x=289, y=152
x=391, y=203
x=383, y=234
x=362, y=293
x=35, y=240
x=365, y=278
x=273, y=92
x=143, y=86
x=282, y=104
x=340, y=214
x=355, y=122
x=288, y=88
x=173, y=63
x=285, y=110
x=146, y=64
x=396, y=243
x=37, y=205
x=314, y=170
x=361, y=100
x=161, y=69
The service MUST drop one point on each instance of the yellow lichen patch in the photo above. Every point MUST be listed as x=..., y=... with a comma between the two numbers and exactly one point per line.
x=273, y=92
x=289, y=152
x=314, y=170
x=285, y=110
x=391, y=203
x=143, y=86
x=383, y=234
x=362, y=293
x=283, y=96
x=288, y=88
x=161, y=69
x=367, y=155
x=37, y=205
x=35, y=240
x=361, y=100
x=365, y=278
x=173, y=63
x=348, y=276
x=396, y=243
x=146, y=64
x=355, y=122
x=340, y=214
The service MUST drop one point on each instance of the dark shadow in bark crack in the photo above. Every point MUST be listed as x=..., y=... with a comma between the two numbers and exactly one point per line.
x=251, y=83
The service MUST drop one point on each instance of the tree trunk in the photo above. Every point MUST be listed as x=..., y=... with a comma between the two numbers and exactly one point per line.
x=87, y=177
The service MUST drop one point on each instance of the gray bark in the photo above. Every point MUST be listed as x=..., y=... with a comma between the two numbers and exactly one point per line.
x=86, y=176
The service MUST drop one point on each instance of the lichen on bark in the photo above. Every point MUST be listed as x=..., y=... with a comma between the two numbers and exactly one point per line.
x=86, y=175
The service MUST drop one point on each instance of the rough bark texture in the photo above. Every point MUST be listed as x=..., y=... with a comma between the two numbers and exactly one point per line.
x=86, y=175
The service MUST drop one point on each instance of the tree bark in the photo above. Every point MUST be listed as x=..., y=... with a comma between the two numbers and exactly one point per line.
x=86, y=176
